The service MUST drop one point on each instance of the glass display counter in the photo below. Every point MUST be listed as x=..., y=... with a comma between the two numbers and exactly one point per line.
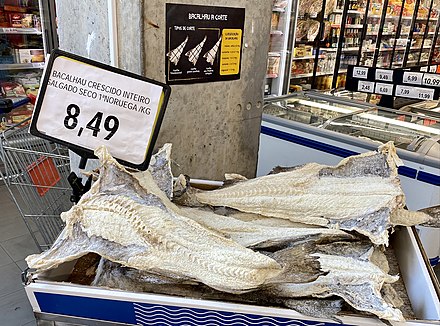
x=316, y=127
x=408, y=129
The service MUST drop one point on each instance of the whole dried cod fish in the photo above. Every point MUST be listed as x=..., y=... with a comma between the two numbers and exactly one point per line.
x=253, y=235
x=136, y=225
x=359, y=194
x=347, y=271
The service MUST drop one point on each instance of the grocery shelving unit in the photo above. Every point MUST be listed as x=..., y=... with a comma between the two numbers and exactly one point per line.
x=383, y=33
x=27, y=34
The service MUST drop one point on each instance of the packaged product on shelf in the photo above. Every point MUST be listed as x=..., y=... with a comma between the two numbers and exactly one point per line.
x=4, y=21
x=275, y=20
x=27, y=21
x=273, y=64
x=16, y=19
x=11, y=89
x=30, y=55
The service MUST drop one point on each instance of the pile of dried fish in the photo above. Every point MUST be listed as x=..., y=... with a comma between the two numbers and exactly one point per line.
x=362, y=193
x=266, y=254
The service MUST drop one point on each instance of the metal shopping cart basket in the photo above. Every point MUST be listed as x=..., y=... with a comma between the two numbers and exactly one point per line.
x=35, y=172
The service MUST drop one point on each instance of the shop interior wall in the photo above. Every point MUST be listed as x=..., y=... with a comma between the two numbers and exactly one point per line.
x=214, y=127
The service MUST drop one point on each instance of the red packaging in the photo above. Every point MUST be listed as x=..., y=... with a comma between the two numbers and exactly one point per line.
x=15, y=19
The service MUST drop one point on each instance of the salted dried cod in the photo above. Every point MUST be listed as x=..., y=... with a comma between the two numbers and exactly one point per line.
x=348, y=272
x=359, y=194
x=253, y=235
x=137, y=226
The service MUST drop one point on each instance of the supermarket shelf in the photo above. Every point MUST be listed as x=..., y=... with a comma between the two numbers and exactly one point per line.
x=357, y=26
x=415, y=61
x=418, y=48
x=318, y=74
x=308, y=57
x=351, y=49
x=274, y=54
x=278, y=10
x=351, y=11
x=421, y=33
x=276, y=32
x=12, y=30
x=19, y=66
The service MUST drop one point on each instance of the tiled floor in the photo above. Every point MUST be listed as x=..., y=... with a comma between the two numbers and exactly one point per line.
x=15, y=244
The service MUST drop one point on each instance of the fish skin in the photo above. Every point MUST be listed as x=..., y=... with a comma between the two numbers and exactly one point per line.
x=255, y=236
x=434, y=213
x=346, y=271
x=359, y=194
x=151, y=234
x=317, y=308
x=160, y=169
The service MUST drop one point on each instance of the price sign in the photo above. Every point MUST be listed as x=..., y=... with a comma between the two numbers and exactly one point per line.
x=384, y=89
x=414, y=92
x=384, y=75
x=431, y=80
x=425, y=94
x=366, y=86
x=84, y=104
x=412, y=77
x=360, y=72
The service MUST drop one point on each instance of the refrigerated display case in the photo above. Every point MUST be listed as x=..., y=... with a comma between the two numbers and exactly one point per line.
x=313, y=126
x=329, y=35
x=27, y=34
x=278, y=56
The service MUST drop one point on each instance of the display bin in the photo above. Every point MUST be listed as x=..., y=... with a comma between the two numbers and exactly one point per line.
x=55, y=300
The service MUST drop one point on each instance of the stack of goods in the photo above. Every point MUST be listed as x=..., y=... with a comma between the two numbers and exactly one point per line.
x=273, y=65
x=291, y=238
x=18, y=94
x=21, y=47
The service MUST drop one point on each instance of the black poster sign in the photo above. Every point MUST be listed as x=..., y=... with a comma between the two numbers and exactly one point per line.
x=203, y=43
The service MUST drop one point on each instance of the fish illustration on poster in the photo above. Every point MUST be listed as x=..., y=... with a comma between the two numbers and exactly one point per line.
x=203, y=43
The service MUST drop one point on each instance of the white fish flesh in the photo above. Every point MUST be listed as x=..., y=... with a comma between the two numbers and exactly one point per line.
x=359, y=194
x=134, y=224
x=253, y=235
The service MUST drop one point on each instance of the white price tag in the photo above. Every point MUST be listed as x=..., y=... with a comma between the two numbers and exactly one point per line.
x=84, y=104
x=412, y=77
x=414, y=92
x=366, y=86
x=360, y=72
x=431, y=80
x=425, y=94
x=424, y=69
x=384, y=89
x=384, y=75
x=433, y=68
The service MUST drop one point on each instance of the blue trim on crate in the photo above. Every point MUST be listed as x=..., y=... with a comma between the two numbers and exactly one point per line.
x=323, y=147
x=407, y=172
x=434, y=261
x=338, y=151
x=155, y=314
x=429, y=178
x=85, y=307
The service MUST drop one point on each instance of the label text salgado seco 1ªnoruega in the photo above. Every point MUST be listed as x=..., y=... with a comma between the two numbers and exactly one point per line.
x=89, y=92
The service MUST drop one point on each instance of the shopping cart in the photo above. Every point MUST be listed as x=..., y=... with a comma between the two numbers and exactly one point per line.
x=35, y=172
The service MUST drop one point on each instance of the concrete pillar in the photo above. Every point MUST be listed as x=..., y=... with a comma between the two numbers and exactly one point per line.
x=214, y=127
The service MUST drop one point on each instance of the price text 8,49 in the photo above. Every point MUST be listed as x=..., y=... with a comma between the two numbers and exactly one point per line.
x=111, y=123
